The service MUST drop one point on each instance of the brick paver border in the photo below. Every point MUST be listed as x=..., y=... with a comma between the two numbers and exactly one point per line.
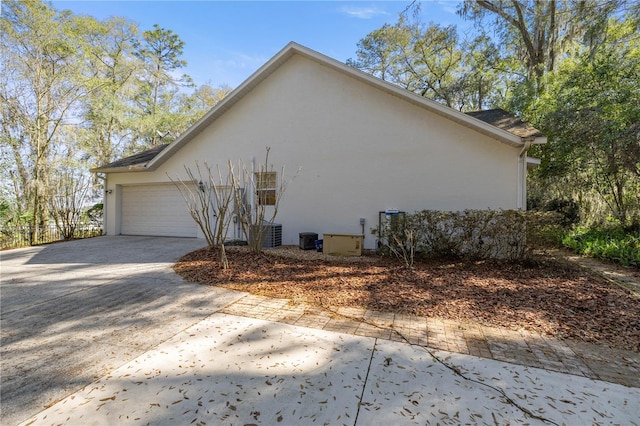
x=517, y=347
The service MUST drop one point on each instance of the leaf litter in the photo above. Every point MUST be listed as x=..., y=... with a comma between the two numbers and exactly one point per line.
x=544, y=296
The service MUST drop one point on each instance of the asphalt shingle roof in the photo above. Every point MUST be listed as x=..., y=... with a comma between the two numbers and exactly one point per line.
x=506, y=121
x=137, y=159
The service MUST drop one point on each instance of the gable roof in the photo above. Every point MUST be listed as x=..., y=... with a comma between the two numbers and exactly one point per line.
x=503, y=135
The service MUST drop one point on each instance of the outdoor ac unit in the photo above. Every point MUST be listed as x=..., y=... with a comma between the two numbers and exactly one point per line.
x=271, y=235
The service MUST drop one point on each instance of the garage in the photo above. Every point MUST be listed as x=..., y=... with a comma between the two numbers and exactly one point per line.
x=156, y=210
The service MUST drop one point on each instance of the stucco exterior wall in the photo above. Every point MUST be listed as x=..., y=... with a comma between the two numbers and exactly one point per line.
x=360, y=150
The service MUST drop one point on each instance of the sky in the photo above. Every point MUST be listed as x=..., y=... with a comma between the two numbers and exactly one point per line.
x=226, y=41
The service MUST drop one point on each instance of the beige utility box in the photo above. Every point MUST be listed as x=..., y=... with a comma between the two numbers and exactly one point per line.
x=342, y=244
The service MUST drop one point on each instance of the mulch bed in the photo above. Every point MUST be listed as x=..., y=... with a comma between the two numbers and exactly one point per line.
x=545, y=296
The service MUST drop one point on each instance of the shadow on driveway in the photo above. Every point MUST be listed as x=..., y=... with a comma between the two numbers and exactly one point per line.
x=73, y=311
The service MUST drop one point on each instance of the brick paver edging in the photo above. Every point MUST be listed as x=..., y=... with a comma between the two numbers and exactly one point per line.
x=517, y=347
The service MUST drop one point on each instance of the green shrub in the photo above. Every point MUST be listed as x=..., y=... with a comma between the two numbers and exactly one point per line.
x=469, y=234
x=568, y=210
x=605, y=243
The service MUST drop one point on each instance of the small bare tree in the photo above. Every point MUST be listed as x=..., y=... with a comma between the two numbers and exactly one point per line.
x=268, y=189
x=399, y=238
x=405, y=248
x=209, y=197
x=69, y=195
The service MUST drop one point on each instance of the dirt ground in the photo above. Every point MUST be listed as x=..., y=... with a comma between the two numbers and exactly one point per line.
x=546, y=295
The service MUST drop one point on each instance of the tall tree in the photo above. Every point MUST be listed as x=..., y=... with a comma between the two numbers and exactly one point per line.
x=113, y=72
x=194, y=105
x=160, y=50
x=76, y=92
x=591, y=110
x=538, y=31
x=42, y=84
x=380, y=53
x=483, y=75
x=431, y=61
x=435, y=62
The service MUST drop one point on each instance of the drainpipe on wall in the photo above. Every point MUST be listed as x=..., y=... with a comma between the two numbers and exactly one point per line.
x=521, y=202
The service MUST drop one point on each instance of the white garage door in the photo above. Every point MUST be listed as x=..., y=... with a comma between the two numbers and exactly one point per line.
x=157, y=210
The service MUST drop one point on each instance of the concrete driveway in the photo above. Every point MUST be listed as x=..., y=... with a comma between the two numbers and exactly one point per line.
x=102, y=332
x=72, y=312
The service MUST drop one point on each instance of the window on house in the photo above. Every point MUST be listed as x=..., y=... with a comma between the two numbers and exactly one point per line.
x=266, y=188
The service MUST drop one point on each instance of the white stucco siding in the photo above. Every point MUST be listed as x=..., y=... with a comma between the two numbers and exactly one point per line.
x=360, y=150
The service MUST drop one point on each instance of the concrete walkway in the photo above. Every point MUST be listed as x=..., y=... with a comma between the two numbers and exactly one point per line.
x=517, y=347
x=238, y=371
x=102, y=331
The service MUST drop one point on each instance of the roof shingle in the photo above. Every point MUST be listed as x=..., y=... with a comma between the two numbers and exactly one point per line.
x=138, y=159
x=506, y=121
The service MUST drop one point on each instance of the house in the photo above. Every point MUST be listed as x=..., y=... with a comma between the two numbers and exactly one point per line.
x=362, y=146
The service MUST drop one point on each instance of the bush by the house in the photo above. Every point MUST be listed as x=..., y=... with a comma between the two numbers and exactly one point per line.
x=469, y=234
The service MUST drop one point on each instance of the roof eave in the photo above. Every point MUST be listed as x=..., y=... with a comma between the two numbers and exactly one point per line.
x=125, y=169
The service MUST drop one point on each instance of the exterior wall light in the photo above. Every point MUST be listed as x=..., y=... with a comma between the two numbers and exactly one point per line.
x=201, y=186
